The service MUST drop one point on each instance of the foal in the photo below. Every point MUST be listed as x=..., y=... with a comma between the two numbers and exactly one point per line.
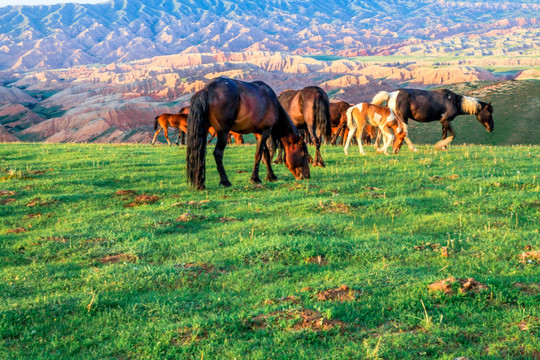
x=379, y=117
x=178, y=121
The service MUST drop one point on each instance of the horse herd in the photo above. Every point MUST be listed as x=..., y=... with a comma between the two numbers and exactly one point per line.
x=226, y=107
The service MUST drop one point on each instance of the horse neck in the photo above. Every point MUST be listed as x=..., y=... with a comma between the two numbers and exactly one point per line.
x=467, y=105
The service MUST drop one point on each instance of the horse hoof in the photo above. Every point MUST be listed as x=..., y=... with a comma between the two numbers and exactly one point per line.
x=271, y=178
x=225, y=183
x=255, y=180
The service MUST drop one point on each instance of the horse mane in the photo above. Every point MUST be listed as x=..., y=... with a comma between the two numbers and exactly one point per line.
x=470, y=105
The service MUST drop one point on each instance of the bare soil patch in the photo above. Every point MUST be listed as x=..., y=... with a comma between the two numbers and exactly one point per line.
x=7, y=193
x=16, y=231
x=7, y=201
x=319, y=260
x=295, y=320
x=187, y=335
x=450, y=285
x=333, y=207
x=342, y=293
x=113, y=259
x=142, y=200
x=33, y=215
x=126, y=193
x=38, y=202
x=187, y=217
x=529, y=289
x=530, y=256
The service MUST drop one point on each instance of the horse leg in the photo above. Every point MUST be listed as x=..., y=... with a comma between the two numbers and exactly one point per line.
x=407, y=140
x=358, y=134
x=183, y=138
x=318, y=158
x=279, y=159
x=341, y=127
x=218, y=156
x=352, y=131
x=166, y=133
x=178, y=137
x=446, y=140
x=258, y=155
x=155, y=136
x=388, y=137
x=270, y=176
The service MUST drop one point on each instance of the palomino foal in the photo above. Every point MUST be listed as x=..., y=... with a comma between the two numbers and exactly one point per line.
x=377, y=116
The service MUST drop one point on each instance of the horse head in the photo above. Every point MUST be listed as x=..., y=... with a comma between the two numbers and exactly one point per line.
x=400, y=133
x=485, y=116
x=296, y=157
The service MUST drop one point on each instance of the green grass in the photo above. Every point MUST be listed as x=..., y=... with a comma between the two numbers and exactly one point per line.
x=216, y=286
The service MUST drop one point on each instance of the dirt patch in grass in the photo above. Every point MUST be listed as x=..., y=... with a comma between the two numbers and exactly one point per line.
x=113, y=259
x=450, y=177
x=529, y=289
x=36, y=215
x=333, y=207
x=286, y=299
x=16, y=231
x=6, y=193
x=142, y=200
x=38, y=202
x=126, y=193
x=226, y=219
x=7, y=201
x=529, y=257
x=342, y=293
x=58, y=239
x=319, y=260
x=187, y=335
x=427, y=246
x=187, y=217
x=452, y=285
x=295, y=320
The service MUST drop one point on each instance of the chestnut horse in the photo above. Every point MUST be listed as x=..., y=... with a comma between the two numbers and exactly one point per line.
x=438, y=105
x=227, y=104
x=178, y=121
x=309, y=108
x=378, y=116
x=338, y=118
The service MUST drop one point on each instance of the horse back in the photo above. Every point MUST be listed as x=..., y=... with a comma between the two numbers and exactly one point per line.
x=425, y=105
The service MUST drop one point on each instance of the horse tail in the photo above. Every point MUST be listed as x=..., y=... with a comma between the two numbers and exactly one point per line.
x=350, y=123
x=156, y=122
x=381, y=97
x=321, y=109
x=197, y=125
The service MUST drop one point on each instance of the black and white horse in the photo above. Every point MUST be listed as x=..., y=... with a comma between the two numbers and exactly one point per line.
x=438, y=105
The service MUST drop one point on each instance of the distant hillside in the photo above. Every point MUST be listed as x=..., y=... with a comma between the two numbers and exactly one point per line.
x=66, y=35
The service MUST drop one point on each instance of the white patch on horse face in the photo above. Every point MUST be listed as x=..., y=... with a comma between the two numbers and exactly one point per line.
x=393, y=99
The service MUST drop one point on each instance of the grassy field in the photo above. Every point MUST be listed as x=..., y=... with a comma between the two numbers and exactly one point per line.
x=105, y=253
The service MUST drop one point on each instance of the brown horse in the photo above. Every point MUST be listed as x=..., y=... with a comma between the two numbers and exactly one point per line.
x=309, y=108
x=238, y=138
x=338, y=118
x=227, y=104
x=178, y=121
x=378, y=116
x=440, y=105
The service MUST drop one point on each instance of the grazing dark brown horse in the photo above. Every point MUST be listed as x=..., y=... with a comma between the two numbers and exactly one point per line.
x=338, y=118
x=439, y=105
x=178, y=121
x=309, y=108
x=238, y=138
x=232, y=105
